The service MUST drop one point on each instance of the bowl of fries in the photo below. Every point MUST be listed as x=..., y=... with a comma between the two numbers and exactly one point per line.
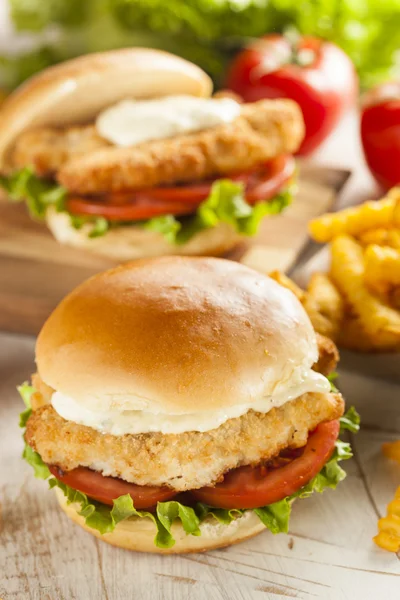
x=355, y=300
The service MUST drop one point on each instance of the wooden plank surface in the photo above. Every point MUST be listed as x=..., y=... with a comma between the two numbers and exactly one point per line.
x=328, y=554
x=36, y=272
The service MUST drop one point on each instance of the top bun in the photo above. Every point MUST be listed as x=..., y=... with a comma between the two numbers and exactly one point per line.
x=77, y=90
x=175, y=335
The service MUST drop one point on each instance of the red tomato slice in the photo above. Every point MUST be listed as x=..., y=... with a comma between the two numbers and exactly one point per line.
x=251, y=487
x=140, y=208
x=194, y=193
x=144, y=204
x=106, y=489
x=266, y=185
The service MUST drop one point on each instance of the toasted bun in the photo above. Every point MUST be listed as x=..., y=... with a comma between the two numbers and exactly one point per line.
x=175, y=335
x=138, y=534
x=129, y=243
x=77, y=90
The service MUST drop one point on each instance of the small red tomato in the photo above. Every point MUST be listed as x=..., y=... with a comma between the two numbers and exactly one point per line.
x=318, y=75
x=380, y=132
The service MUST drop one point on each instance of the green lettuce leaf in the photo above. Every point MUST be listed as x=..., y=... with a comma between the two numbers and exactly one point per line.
x=25, y=391
x=104, y=518
x=41, y=470
x=24, y=416
x=350, y=421
x=99, y=225
x=38, y=193
x=222, y=515
x=167, y=512
x=276, y=516
x=34, y=459
x=167, y=225
x=332, y=378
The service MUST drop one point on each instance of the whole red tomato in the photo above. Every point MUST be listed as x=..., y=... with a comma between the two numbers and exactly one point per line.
x=318, y=75
x=380, y=132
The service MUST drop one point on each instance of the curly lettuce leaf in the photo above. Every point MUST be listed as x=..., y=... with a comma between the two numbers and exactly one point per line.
x=25, y=391
x=350, y=421
x=41, y=470
x=226, y=204
x=38, y=193
x=222, y=515
x=168, y=512
x=332, y=378
x=99, y=225
x=24, y=416
x=167, y=225
x=34, y=459
x=275, y=516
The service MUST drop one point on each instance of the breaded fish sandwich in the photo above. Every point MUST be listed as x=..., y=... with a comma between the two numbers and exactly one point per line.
x=125, y=153
x=182, y=404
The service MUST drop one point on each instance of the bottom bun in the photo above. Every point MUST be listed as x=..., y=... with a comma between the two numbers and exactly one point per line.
x=138, y=534
x=130, y=242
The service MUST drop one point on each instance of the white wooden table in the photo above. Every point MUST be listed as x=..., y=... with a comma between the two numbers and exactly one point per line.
x=329, y=553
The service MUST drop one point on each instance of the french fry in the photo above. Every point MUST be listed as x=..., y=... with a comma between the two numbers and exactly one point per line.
x=353, y=336
x=286, y=282
x=396, y=212
x=382, y=268
x=382, y=237
x=358, y=219
x=380, y=321
x=320, y=323
x=394, y=298
x=327, y=298
x=388, y=536
x=392, y=450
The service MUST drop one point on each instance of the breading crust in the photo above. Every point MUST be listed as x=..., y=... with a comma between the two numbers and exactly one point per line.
x=182, y=461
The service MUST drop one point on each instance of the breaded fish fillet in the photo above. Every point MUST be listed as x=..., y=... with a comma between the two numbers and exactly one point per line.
x=328, y=355
x=47, y=149
x=86, y=164
x=182, y=461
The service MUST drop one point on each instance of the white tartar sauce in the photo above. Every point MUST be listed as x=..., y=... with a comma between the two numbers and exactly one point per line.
x=133, y=122
x=120, y=422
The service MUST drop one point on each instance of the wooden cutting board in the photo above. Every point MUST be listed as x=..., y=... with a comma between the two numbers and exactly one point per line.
x=36, y=272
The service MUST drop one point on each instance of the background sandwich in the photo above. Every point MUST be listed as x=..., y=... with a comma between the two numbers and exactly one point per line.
x=125, y=153
x=182, y=404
